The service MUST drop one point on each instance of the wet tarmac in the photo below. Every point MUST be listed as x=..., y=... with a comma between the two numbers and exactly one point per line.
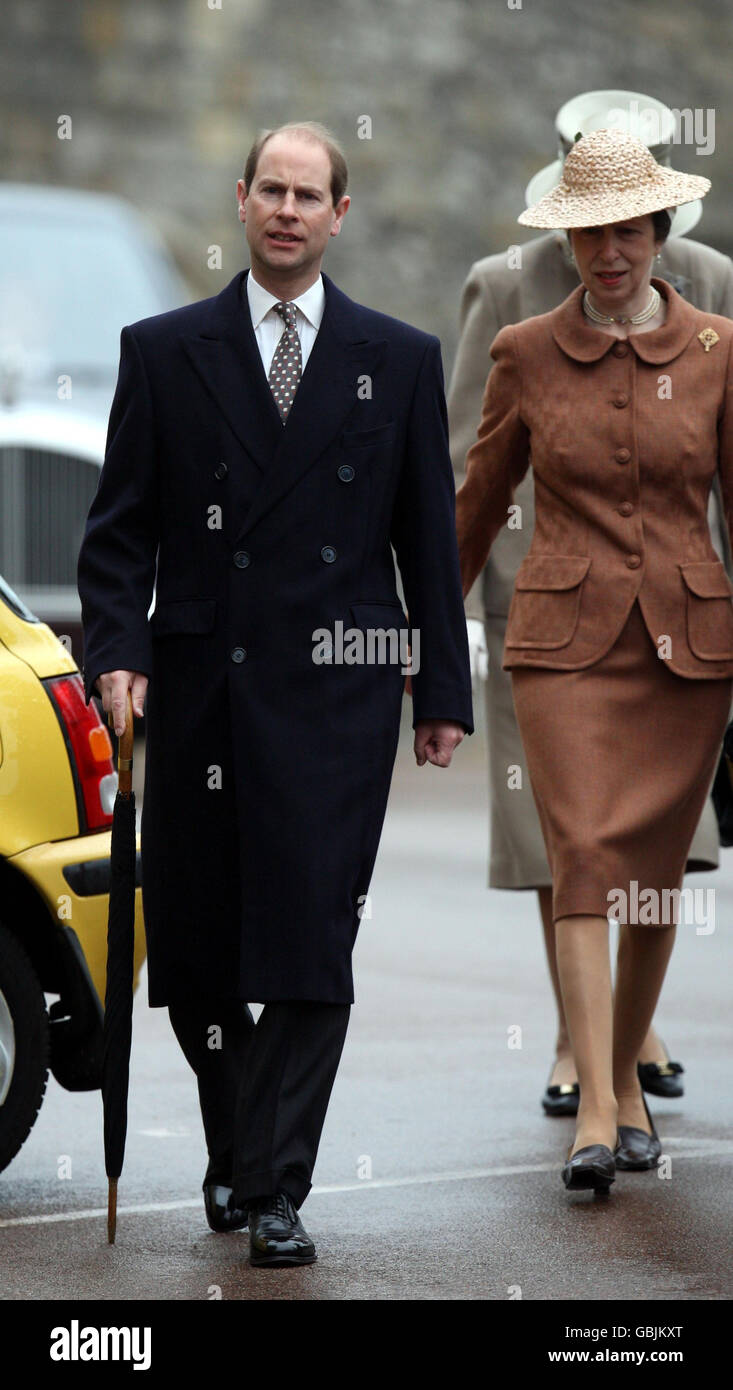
x=438, y=1175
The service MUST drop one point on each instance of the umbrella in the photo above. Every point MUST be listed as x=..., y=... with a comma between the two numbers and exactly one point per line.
x=120, y=951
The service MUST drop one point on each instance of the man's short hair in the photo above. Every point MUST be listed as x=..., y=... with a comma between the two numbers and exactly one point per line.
x=309, y=130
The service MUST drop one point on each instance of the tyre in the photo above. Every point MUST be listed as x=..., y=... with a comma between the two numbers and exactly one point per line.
x=24, y=1046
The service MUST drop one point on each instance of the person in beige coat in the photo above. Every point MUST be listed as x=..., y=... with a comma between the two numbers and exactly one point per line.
x=502, y=289
x=619, y=637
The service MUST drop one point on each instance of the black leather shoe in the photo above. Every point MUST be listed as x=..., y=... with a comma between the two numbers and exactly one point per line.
x=220, y=1213
x=561, y=1100
x=592, y=1167
x=276, y=1235
x=635, y=1149
x=661, y=1078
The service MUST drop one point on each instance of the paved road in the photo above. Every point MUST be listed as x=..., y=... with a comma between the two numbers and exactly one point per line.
x=438, y=1176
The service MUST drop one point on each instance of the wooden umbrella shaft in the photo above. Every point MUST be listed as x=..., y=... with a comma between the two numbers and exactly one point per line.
x=124, y=749
x=111, y=1211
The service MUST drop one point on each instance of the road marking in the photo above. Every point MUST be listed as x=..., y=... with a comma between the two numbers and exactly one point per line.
x=165, y=1133
x=723, y=1150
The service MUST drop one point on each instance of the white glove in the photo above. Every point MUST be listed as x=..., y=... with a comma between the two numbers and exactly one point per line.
x=477, y=651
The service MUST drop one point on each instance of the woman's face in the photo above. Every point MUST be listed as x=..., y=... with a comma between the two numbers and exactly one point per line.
x=615, y=261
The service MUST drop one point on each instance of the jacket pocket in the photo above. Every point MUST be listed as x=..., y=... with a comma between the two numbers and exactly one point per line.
x=379, y=612
x=545, y=605
x=361, y=439
x=709, y=610
x=184, y=616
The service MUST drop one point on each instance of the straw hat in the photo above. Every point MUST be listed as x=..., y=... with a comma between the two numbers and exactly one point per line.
x=609, y=176
x=635, y=112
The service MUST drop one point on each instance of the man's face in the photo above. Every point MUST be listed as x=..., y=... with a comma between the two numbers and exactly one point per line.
x=288, y=213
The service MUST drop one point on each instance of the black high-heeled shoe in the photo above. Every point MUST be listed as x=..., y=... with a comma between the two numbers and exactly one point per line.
x=591, y=1167
x=561, y=1100
x=635, y=1149
x=661, y=1078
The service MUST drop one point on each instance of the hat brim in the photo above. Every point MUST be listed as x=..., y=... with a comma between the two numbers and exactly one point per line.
x=561, y=208
x=684, y=217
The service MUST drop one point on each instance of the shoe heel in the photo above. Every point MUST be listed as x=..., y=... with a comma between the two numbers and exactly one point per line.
x=590, y=1169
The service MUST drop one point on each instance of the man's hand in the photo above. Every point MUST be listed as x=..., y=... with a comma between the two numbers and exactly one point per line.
x=435, y=740
x=113, y=687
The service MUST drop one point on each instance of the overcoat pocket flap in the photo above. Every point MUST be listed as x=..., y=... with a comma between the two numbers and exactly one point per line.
x=707, y=578
x=184, y=615
x=552, y=571
x=379, y=613
x=379, y=434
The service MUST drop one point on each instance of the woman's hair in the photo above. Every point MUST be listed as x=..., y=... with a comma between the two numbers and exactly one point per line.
x=662, y=223
x=661, y=220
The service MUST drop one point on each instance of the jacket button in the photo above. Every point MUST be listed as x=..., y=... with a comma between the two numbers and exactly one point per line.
x=633, y=561
x=620, y=351
x=239, y=654
x=626, y=508
x=346, y=473
x=621, y=400
x=623, y=455
x=220, y=471
x=241, y=559
x=328, y=554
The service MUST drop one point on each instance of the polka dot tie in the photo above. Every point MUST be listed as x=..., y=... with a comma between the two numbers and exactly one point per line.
x=286, y=368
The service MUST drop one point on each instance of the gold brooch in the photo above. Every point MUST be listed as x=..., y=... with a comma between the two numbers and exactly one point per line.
x=708, y=337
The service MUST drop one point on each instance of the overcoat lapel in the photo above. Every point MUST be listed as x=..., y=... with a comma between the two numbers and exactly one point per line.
x=227, y=359
x=326, y=394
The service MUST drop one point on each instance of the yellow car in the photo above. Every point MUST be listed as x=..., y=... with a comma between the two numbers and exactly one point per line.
x=57, y=790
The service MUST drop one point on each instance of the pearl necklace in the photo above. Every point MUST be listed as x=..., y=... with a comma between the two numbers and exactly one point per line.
x=647, y=313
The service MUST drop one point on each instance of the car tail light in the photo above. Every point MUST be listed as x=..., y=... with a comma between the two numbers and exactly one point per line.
x=90, y=751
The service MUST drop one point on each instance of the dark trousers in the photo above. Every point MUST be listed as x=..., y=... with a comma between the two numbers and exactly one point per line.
x=263, y=1088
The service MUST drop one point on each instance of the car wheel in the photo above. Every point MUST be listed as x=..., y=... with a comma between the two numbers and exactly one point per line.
x=24, y=1046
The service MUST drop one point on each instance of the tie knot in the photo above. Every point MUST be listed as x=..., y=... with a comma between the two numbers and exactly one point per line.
x=286, y=309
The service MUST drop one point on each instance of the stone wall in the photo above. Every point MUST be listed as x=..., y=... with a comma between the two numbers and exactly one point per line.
x=166, y=95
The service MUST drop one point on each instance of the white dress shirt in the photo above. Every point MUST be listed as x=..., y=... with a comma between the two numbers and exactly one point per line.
x=268, y=325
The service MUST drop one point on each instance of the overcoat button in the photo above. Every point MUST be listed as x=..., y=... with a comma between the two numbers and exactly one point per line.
x=241, y=559
x=621, y=400
x=328, y=554
x=220, y=471
x=623, y=455
x=633, y=561
x=626, y=508
x=239, y=654
x=346, y=472
x=620, y=351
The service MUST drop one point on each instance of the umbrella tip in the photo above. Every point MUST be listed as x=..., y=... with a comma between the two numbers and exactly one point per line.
x=112, y=1211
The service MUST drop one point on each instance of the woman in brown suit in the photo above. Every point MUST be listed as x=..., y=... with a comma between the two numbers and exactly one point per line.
x=620, y=631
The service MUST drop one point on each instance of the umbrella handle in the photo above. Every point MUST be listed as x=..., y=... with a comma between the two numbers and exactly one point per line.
x=124, y=748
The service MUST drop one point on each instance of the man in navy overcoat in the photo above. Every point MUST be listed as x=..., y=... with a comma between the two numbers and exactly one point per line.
x=267, y=448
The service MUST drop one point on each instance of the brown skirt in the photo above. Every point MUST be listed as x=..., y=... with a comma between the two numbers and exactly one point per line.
x=620, y=756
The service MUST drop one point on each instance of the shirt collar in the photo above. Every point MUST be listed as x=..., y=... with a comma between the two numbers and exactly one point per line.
x=311, y=302
x=580, y=340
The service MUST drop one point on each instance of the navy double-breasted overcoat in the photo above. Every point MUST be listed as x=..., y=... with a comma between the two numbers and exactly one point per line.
x=267, y=773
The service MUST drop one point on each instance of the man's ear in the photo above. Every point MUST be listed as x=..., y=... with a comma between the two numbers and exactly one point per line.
x=340, y=212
